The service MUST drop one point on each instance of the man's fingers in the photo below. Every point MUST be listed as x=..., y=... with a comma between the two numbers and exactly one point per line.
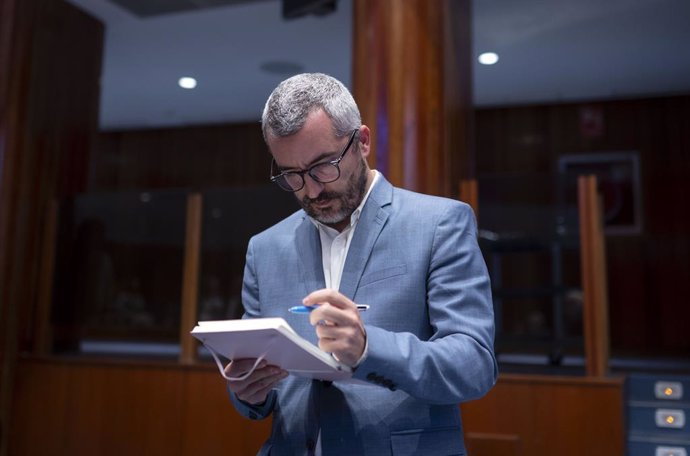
x=326, y=295
x=326, y=315
x=240, y=367
x=257, y=390
x=256, y=386
x=329, y=315
x=257, y=375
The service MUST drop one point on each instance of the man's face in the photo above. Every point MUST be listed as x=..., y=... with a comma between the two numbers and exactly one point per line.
x=334, y=202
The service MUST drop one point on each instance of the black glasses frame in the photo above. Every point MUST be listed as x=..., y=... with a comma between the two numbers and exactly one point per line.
x=280, y=179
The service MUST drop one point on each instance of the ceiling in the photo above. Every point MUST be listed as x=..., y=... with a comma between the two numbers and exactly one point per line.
x=550, y=51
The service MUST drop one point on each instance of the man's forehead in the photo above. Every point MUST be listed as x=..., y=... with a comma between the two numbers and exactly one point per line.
x=303, y=154
x=316, y=141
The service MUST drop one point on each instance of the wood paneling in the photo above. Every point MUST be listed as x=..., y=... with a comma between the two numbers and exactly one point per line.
x=649, y=273
x=42, y=333
x=16, y=21
x=458, y=134
x=85, y=408
x=50, y=60
x=193, y=157
x=469, y=193
x=546, y=415
x=88, y=408
x=483, y=444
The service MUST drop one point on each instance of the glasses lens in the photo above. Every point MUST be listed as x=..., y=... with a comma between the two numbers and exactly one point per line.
x=290, y=182
x=325, y=172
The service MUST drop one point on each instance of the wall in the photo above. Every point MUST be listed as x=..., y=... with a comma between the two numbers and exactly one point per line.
x=195, y=156
x=126, y=408
x=50, y=62
x=113, y=408
x=649, y=273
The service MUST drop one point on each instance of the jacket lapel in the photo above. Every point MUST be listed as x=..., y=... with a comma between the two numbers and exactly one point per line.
x=371, y=222
x=309, y=251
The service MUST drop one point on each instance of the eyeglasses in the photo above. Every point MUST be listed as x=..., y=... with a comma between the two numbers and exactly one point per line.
x=293, y=181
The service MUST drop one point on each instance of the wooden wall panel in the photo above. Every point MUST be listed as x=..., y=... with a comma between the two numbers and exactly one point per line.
x=649, y=273
x=226, y=155
x=484, y=444
x=50, y=59
x=87, y=408
x=458, y=135
x=225, y=432
x=545, y=415
x=16, y=21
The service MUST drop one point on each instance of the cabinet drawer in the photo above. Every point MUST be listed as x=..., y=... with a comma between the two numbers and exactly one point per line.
x=671, y=388
x=642, y=448
x=657, y=420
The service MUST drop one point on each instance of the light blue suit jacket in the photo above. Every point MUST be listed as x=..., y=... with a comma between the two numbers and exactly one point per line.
x=415, y=260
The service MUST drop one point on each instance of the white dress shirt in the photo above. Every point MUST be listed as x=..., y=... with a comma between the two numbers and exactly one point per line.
x=335, y=244
x=334, y=247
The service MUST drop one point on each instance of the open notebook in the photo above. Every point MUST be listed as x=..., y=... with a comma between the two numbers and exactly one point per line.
x=271, y=339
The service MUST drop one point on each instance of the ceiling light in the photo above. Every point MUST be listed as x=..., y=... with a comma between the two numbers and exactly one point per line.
x=187, y=83
x=488, y=58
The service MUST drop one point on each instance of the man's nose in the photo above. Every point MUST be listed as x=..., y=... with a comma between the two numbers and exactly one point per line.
x=312, y=187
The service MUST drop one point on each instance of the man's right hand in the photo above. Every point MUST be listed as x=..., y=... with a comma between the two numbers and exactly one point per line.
x=255, y=388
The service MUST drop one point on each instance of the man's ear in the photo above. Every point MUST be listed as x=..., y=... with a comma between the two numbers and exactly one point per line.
x=364, y=139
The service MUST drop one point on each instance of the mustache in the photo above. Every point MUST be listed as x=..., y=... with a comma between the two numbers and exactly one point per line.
x=323, y=197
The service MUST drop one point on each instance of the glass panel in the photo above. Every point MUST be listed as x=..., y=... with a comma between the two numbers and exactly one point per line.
x=528, y=230
x=118, y=273
x=230, y=217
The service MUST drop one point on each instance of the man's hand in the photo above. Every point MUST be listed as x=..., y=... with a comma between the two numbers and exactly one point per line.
x=254, y=389
x=338, y=325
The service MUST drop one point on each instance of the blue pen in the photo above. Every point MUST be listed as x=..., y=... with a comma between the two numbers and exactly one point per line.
x=307, y=309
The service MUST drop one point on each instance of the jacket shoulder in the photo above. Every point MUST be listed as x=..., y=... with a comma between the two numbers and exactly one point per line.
x=428, y=204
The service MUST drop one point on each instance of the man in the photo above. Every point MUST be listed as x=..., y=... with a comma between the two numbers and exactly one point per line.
x=426, y=342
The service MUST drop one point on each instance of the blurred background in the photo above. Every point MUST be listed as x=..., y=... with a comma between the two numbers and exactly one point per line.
x=134, y=173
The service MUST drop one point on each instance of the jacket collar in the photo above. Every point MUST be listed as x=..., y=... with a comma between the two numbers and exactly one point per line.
x=372, y=220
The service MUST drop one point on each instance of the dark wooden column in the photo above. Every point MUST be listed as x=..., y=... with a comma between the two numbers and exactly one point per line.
x=412, y=81
x=16, y=19
x=50, y=60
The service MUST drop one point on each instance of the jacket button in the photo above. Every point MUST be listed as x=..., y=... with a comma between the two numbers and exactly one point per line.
x=371, y=376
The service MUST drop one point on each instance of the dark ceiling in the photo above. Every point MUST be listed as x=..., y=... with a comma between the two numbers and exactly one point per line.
x=238, y=50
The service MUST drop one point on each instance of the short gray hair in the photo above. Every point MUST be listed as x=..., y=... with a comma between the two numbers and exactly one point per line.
x=295, y=98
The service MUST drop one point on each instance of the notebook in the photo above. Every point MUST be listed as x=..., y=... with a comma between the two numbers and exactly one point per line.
x=271, y=339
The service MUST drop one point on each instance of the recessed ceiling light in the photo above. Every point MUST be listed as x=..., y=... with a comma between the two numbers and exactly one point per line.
x=187, y=82
x=488, y=58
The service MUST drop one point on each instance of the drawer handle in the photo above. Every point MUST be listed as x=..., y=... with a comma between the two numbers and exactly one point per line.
x=668, y=390
x=669, y=418
x=670, y=451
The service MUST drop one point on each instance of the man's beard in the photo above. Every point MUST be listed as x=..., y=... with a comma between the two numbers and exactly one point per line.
x=345, y=202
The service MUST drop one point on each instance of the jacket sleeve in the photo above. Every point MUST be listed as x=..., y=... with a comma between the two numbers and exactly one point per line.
x=250, y=300
x=457, y=363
